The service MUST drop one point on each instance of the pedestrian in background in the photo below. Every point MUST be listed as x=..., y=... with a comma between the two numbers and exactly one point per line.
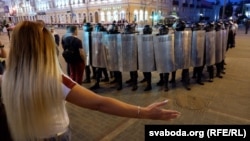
x=68, y=33
x=57, y=39
x=76, y=68
x=247, y=23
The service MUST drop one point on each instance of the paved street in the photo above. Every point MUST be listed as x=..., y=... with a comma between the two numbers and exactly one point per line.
x=225, y=101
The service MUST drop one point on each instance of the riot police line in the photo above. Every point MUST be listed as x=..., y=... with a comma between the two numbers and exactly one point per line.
x=163, y=52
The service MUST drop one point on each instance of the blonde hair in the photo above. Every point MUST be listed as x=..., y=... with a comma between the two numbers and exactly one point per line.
x=31, y=85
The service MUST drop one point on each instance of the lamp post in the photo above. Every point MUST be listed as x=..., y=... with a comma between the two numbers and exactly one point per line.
x=87, y=9
x=71, y=11
x=224, y=7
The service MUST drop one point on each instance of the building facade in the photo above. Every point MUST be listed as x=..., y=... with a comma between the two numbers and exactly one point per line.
x=106, y=11
x=93, y=11
x=195, y=10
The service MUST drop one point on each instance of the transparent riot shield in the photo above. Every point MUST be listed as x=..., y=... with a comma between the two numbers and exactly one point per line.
x=164, y=53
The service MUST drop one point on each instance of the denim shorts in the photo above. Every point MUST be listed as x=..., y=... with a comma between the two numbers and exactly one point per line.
x=66, y=136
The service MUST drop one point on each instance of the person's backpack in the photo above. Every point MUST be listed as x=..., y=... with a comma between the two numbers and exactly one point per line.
x=70, y=54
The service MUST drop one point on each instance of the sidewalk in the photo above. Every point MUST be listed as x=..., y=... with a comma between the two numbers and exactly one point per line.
x=225, y=101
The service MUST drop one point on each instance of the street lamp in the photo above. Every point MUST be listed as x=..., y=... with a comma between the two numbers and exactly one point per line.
x=224, y=7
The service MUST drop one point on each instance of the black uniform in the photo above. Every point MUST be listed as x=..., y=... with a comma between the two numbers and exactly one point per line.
x=98, y=71
x=163, y=30
x=210, y=69
x=147, y=75
x=185, y=72
x=117, y=74
x=197, y=72
x=133, y=74
x=89, y=29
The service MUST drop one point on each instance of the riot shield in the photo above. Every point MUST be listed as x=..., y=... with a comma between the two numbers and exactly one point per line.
x=112, y=53
x=218, y=46
x=164, y=53
x=182, y=48
x=210, y=48
x=224, y=44
x=198, y=48
x=129, y=57
x=146, y=53
x=86, y=46
x=97, y=50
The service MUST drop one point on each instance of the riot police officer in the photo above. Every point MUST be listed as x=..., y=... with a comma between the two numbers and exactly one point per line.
x=100, y=64
x=117, y=73
x=133, y=73
x=163, y=30
x=218, y=64
x=87, y=41
x=197, y=71
x=146, y=55
x=210, y=66
x=180, y=26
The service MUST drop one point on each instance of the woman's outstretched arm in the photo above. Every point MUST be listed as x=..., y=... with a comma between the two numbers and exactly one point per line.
x=85, y=98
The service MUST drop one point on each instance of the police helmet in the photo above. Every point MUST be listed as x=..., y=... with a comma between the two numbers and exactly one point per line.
x=128, y=29
x=87, y=27
x=113, y=29
x=163, y=30
x=98, y=27
x=180, y=26
x=147, y=29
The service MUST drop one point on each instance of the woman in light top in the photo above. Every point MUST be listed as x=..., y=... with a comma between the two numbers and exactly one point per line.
x=34, y=90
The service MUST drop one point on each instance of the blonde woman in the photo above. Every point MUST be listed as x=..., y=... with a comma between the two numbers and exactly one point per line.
x=35, y=90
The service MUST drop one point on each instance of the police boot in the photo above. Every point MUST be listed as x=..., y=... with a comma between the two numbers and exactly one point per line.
x=148, y=79
x=172, y=81
x=194, y=72
x=161, y=82
x=223, y=67
x=87, y=75
x=218, y=70
x=94, y=74
x=166, y=76
x=98, y=74
x=199, y=75
x=134, y=87
x=210, y=70
x=134, y=77
x=106, y=77
x=186, y=79
x=119, y=80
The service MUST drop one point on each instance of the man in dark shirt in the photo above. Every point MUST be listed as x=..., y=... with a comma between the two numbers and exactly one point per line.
x=76, y=68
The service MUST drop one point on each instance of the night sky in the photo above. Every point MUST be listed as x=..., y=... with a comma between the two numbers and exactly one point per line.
x=222, y=1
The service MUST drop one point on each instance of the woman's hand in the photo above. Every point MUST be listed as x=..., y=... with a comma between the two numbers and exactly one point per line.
x=156, y=112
